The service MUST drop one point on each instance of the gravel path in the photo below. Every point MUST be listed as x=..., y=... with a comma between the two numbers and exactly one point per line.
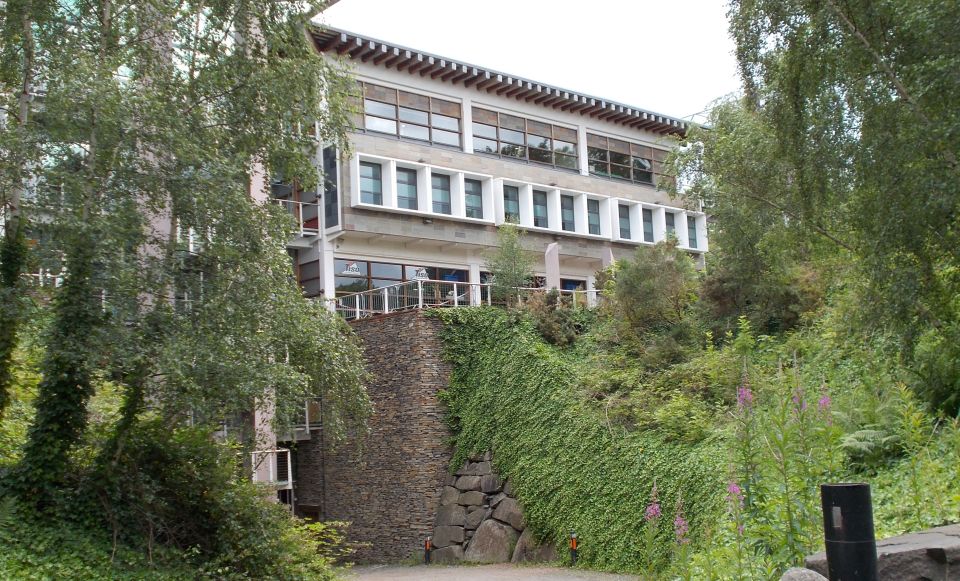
x=478, y=573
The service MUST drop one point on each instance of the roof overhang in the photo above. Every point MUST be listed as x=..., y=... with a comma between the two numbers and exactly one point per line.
x=417, y=63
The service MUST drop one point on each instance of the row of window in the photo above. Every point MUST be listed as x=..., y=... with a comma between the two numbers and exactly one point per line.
x=623, y=214
x=411, y=115
x=438, y=121
x=371, y=190
x=408, y=196
x=512, y=136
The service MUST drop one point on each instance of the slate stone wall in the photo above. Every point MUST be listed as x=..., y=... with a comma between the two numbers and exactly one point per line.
x=388, y=483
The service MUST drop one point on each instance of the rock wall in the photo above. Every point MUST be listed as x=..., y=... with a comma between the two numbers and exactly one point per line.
x=387, y=483
x=480, y=521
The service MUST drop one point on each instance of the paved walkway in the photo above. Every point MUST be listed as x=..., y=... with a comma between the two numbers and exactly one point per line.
x=476, y=573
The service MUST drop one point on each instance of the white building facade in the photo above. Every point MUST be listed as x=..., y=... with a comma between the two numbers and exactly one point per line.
x=444, y=153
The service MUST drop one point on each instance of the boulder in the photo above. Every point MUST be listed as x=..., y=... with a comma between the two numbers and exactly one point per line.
x=472, y=498
x=798, y=574
x=529, y=551
x=476, y=516
x=497, y=499
x=447, y=556
x=507, y=489
x=508, y=511
x=930, y=554
x=490, y=483
x=450, y=480
x=475, y=469
x=450, y=495
x=492, y=543
x=468, y=483
x=451, y=515
x=445, y=536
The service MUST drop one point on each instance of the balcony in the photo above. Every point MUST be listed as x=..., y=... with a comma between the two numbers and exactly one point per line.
x=272, y=468
x=306, y=215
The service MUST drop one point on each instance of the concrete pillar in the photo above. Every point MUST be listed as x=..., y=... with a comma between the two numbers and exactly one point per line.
x=551, y=259
x=607, y=258
x=582, y=150
x=591, y=286
x=467, y=112
x=474, y=279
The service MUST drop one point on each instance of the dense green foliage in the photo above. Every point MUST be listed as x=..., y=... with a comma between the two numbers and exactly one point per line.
x=839, y=167
x=514, y=394
x=741, y=428
x=510, y=264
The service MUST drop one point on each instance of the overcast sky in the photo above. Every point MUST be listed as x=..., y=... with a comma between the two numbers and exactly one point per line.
x=668, y=56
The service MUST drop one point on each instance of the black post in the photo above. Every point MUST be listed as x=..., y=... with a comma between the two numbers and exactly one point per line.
x=573, y=548
x=848, y=532
x=427, y=548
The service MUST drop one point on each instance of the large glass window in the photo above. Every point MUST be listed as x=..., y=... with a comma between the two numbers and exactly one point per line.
x=671, y=224
x=593, y=216
x=692, y=231
x=406, y=188
x=540, y=209
x=512, y=136
x=360, y=275
x=441, y=193
x=371, y=183
x=647, y=225
x=567, y=215
x=511, y=204
x=331, y=203
x=473, y=192
x=622, y=160
x=623, y=213
x=410, y=115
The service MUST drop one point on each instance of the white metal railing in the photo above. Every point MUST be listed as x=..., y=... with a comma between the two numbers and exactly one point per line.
x=425, y=294
x=306, y=214
x=272, y=467
x=44, y=278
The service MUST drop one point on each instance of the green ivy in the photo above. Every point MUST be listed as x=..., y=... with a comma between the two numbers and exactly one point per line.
x=517, y=396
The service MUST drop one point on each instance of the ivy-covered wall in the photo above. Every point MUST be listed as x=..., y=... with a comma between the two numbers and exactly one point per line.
x=517, y=396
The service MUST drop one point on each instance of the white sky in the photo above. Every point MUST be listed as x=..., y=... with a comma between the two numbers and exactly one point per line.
x=668, y=56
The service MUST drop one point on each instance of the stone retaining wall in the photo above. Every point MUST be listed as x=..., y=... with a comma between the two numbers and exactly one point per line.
x=387, y=483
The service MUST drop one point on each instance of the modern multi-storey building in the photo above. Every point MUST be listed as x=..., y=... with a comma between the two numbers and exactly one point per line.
x=444, y=152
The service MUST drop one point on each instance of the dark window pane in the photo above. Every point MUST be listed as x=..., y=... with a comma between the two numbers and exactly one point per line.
x=692, y=231
x=446, y=137
x=539, y=141
x=488, y=131
x=406, y=188
x=569, y=161
x=420, y=273
x=511, y=204
x=473, y=191
x=441, y=193
x=671, y=226
x=642, y=164
x=540, y=209
x=444, y=122
x=414, y=132
x=619, y=158
x=567, y=221
x=379, y=109
x=345, y=284
x=599, y=168
x=620, y=171
x=565, y=134
x=484, y=145
x=541, y=155
x=643, y=177
x=382, y=270
x=413, y=116
x=371, y=186
x=511, y=136
x=647, y=225
x=624, y=219
x=381, y=125
x=380, y=283
x=595, y=154
x=593, y=216
x=514, y=151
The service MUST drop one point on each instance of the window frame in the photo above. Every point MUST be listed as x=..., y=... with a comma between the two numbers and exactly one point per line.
x=512, y=218
x=545, y=206
x=378, y=180
x=621, y=208
x=411, y=102
x=610, y=153
x=530, y=135
x=691, y=231
x=478, y=195
x=433, y=194
x=590, y=215
x=406, y=171
x=644, y=213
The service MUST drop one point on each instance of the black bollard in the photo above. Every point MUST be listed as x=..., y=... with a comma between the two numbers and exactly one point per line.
x=427, y=548
x=848, y=532
x=573, y=548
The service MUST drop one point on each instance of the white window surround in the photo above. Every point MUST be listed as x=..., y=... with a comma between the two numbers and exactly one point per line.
x=493, y=210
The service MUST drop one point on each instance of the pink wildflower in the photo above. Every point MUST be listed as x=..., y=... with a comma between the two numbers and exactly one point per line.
x=824, y=403
x=653, y=511
x=744, y=397
x=680, y=528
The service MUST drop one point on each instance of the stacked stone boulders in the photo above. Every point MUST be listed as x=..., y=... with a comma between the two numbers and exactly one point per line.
x=479, y=520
